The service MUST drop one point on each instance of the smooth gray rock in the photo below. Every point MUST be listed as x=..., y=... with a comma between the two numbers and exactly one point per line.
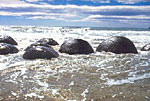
x=76, y=46
x=48, y=41
x=40, y=52
x=118, y=45
x=37, y=44
x=7, y=49
x=7, y=39
x=146, y=47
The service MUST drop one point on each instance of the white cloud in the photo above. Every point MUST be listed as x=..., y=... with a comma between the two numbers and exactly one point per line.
x=98, y=1
x=74, y=13
x=101, y=17
x=34, y=0
x=11, y=2
x=37, y=0
x=132, y=1
x=120, y=1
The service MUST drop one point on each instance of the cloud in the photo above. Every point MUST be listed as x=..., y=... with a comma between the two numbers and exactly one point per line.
x=132, y=1
x=37, y=0
x=6, y=2
x=74, y=13
x=33, y=0
x=119, y=1
x=120, y=10
x=109, y=1
x=98, y=1
x=123, y=18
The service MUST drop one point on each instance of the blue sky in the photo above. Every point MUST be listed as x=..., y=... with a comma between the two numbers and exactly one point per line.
x=96, y=13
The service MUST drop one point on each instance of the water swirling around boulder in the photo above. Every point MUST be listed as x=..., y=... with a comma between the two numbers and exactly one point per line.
x=76, y=46
x=40, y=52
x=7, y=49
x=7, y=39
x=146, y=47
x=38, y=44
x=118, y=45
x=48, y=41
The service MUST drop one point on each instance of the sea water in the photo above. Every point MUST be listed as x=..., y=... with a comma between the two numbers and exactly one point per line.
x=97, y=76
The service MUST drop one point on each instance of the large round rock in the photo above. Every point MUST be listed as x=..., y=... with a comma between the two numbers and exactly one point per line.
x=7, y=49
x=48, y=41
x=146, y=47
x=118, y=45
x=40, y=52
x=7, y=39
x=76, y=46
x=37, y=44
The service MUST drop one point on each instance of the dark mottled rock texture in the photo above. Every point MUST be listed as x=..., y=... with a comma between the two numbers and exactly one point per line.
x=7, y=49
x=76, y=46
x=48, y=41
x=37, y=44
x=146, y=47
x=118, y=45
x=7, y=39
x=40, y=52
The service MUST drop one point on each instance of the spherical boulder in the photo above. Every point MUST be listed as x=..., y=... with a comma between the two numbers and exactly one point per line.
x=40, y=52
x=48, y=41
x=118, y=45
x=146, y=47
x=7, y=39
x=76, y=46
x=7, y=49
x=37, y=44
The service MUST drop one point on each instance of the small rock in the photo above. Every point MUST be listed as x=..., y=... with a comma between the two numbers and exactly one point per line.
x=7, y=49
x=48, y=41
x=146, y=47
x=7, y=39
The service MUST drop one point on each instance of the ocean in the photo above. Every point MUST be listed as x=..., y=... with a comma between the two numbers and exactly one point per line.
x=100, y=76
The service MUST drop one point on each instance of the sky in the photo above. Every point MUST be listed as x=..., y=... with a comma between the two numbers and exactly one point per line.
x=92, y=13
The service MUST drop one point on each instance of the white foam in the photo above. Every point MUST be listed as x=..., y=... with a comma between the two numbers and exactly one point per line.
x=23, y=71
x=25, y=35
x=43, y=84
x=72, y=83
x=34, y=95
x=128, y=80
x=13, y=93
x=54, y=91
x=39, y=49
x=84, y=94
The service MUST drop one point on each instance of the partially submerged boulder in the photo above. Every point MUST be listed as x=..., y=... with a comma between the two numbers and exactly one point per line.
x=76, y=46
x=7, y=49
x=118, y=45
x=146, y=47
x=48, y=41
x=40, y=52
x=7, y=39
x=37, y=44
